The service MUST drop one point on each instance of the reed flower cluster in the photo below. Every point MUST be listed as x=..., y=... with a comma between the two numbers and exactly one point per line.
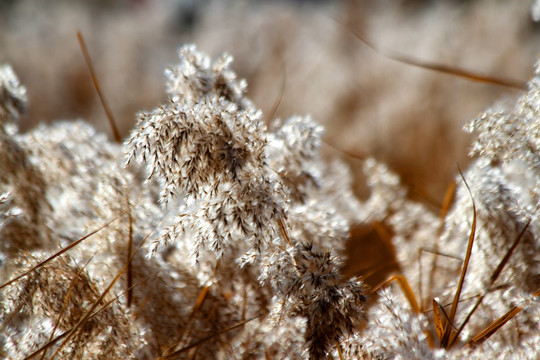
x=214, y=233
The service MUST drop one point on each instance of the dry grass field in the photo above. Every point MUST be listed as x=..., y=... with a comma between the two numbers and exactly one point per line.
x=311, y=179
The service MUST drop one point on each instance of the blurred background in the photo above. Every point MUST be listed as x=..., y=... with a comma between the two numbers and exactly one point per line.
x=302, y=55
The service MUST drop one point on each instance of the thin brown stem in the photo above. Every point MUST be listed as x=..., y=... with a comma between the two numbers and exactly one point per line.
x=108, y=112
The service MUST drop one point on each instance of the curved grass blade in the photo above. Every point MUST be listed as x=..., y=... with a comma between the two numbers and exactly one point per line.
x=497, y=324
x=64, y=334
x=82, y=320
x=67, y=248
x=278, y=100
x=64, y=306
x=108, y=112
x=438, y=67
x=493, y=278
x=448, y=328
x=437, y=318
x=68, y=334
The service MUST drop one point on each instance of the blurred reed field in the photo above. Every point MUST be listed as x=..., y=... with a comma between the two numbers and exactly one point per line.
x=304, y=53
x=258, y=222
